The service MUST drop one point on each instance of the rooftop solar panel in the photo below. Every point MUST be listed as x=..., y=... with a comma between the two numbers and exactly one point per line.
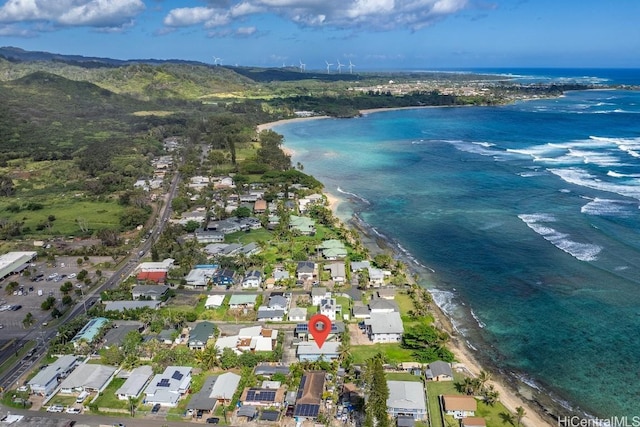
x=301, y=387
x=163, y=383
x=177, y=375
x=306, y=410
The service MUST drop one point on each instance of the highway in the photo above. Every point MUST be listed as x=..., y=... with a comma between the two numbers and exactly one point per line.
x=42, y=336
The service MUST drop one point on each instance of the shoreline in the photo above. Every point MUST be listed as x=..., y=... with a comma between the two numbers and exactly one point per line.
x=509, y=396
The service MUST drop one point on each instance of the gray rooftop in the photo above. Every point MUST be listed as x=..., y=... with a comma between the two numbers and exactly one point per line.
x=386, y=323
x=89, y=376
x=406, y=395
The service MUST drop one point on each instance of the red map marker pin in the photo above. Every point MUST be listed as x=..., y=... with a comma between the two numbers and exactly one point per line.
x=320, y=327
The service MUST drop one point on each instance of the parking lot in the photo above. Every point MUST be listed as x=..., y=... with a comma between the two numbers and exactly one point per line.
x=44, y=281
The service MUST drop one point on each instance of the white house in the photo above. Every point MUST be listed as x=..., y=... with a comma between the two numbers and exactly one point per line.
x=318, y=294
x=384, y=327
x=337, y=271
x=167, y=388
x=46, y=380
x=406, y=398
x=135, y=383
x=214, y=301
x=329, y=308
x=298, y=314
x=252, y=280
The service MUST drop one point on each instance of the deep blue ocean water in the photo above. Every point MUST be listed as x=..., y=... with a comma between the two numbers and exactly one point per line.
x=529, y=217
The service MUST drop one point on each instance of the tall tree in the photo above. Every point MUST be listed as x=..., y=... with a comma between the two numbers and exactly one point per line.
x=378, y=392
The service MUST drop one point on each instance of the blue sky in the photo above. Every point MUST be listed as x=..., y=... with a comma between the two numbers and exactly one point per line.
x=373, y=34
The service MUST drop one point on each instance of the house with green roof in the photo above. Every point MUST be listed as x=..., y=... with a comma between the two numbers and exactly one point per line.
x=302, y=224
x=200, y=334
x=242, y=301
x=333, y=249
x=89, y=331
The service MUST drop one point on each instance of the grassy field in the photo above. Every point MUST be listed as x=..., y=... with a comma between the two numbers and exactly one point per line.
x=108, y=397
x=402, y=376
x=435, y=389
x=393, y=352
x=404, y=302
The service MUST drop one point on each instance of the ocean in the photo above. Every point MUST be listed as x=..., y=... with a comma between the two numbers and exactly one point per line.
x=524, y=219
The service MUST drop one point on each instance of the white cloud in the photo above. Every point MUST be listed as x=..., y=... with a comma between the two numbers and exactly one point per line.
x=91, y=13
x=246, y=31
x=370, y=14
x=186, y=16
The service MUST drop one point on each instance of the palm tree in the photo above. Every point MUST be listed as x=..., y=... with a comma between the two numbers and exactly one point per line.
x=208, y=357
x=482, y=379
x=520, y=413
x=491, y=395
x=467, y=386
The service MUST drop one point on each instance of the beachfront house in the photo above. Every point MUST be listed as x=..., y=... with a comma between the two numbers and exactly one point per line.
x=459, y=406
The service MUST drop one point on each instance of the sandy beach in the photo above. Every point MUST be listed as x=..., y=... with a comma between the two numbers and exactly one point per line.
x=509, y=396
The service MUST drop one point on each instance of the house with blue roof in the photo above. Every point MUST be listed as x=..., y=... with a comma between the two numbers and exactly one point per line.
x=89, y=331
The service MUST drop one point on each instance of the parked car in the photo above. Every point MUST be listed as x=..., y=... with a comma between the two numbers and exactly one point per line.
x=55, y=408
x=72, y=276
x=73, y=410
x=155, y=408
x=16, y=307
x=213, y=420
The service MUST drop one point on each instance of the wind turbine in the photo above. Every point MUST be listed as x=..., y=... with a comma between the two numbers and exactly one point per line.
x=302, y=66
x=328, y=66
x=351, y=65
x=215, y=60
x=339, y=67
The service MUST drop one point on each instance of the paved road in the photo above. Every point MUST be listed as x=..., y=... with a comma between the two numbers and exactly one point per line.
x=42, y=337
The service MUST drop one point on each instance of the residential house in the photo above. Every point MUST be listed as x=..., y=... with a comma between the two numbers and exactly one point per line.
x=252, y=279
x=130, y=305
x=384, y=327
x=214, y=301
x=310, y=352
x=168, y=387
x=406, y=398
x=387, y=293
x=473, y=422
x=333, y=249
x=459, y=406
x=268, y=370
x=89, y=331
x=198, y=215
x=223, y=277
x=376, y=277
x=167, y=336
x=305, y=270
x=135, y=383
x=257, y=338
x=439, y=371
x=266, y=397
x=280, y=275
x=200, y=335
x=208, y=236
x=266, y=314
x=277, y=302
x=214, y=249
x=318, y=294
x=164, y=265
x=359, y=265
x=149, y=292
x=337, y=271
x=250, y=249
x=158, y=277
x=302, y=331
x=88, y=377
x=303, y=225
x=309, y=397
x=46, y=380
x=216, y=389
x=298, y=314
x=381, y=305
x=329, y=308
x=224, y=226
x=199, y=278
x=116, y=335
x=260, y=206
x=238, y=301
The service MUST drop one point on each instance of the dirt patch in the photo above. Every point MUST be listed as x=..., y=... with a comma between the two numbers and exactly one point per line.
x=357, y=336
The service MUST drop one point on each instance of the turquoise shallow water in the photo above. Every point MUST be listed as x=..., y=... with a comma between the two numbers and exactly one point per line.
x=529, y=215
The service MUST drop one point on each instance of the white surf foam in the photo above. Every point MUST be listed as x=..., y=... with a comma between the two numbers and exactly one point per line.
x=583, y=178
x=580, y=251
x=609, y=207
x=480, y=323
x=354, y=195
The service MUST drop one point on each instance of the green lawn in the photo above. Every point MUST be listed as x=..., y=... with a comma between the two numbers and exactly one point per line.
x=490, y=413
x=404, y=302
x=108, y=397
x=393, y=352
x=402, y=376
